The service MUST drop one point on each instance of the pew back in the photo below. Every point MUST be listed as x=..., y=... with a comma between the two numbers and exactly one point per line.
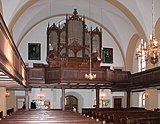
x=47, y=116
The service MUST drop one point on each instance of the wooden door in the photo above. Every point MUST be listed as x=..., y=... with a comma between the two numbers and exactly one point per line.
x=71, y=103
x=117, y=102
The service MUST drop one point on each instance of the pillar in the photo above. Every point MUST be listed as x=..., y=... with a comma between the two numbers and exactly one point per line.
x=27, y=100
x=131, y=99
x=97, y=99
x=128, y=99
x=151, y=98
x=63, y=99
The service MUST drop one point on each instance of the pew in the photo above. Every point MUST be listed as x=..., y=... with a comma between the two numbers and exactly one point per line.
x=46, y=117
x=10, y=111
x=1, y=114
x=125, y=116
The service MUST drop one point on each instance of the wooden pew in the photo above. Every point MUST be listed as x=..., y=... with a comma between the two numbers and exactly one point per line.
x=45, y=122
x=10, y=111
x=141, y=119
x=1, y=114
x=45, y=117
x=125, y=116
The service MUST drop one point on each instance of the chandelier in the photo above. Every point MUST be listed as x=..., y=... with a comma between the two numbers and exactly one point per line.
x=91, y=75
x=150, y=50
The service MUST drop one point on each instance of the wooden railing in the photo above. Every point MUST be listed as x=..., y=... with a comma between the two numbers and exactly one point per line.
x=150, y=77
x=10, y=59
x=67, y=76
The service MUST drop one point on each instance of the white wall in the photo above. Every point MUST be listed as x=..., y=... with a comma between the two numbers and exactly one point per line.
x=89, y=96
x=52, y=95
x=135, y=99
x=38, y=35
x=86, y=97
x=108, y=42
x=11, y=100
x=19, y=94
x=3, y=100
x=118, y=94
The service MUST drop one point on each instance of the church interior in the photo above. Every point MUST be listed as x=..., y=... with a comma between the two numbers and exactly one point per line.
x=80, y=62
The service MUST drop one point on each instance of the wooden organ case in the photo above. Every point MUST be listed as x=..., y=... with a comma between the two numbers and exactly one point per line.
x=69, y=45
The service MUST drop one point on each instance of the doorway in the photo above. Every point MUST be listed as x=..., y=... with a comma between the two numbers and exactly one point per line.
x=117, y=103
x=20, y=101
x=71, y=103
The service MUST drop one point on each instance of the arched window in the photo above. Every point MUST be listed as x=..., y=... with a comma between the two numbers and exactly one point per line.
x=143, y=99
x=142, y=63
x=141, y=56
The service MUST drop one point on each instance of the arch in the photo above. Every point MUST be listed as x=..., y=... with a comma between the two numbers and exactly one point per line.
x=79, y=97
x=138, y=27
x=142, y=99
x=20, y=12
x=90, y=19
x=1, y=8
x=117, y=4
x=71, y=103
x=130, y=52
x=130, y=16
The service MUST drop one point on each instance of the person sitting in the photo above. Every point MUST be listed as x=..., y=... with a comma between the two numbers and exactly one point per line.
x=74, y=109
x=24, y=106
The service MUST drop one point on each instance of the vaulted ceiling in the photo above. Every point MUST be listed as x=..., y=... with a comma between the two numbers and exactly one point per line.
x=124, y=21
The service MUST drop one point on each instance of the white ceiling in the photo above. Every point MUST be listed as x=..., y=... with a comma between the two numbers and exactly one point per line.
x=121, y=19
x=7, y=81
x=105, y=12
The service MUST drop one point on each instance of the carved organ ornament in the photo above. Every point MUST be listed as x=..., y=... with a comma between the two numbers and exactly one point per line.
x=70, y=44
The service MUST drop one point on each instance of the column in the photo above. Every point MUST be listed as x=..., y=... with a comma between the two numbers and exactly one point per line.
x=63, y=99
x=131, y=98
x=151, y=98
x=27, y=100
x=128, y=99
x=97, y=99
